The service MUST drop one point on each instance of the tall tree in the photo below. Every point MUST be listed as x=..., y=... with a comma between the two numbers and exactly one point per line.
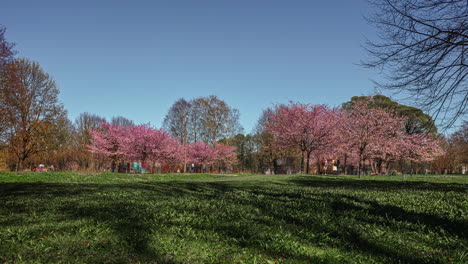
x=218, y=120
x=207, y=119
x=6, y=55
x=176, y=120
x=423, y=49
x=29, y=102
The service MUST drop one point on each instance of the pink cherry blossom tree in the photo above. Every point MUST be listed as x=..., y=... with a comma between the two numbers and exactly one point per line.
x=370, y=132
x=201, y=154
x=147, y=144
x=378, y=136
x=108, y=141
x=421, y=148
x=225, y=155
x=305, y=127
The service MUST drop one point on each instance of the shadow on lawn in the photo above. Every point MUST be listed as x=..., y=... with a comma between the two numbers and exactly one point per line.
x=133, y=220
x=379, y=185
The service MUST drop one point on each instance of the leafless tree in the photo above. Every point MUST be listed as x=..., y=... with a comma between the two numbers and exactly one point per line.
x=6, y=48
x=422, y=48
x=83, y=123
x=176, y=120
x=122, y=121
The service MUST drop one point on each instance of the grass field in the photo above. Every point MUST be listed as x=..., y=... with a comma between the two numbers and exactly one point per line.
x=118, y=218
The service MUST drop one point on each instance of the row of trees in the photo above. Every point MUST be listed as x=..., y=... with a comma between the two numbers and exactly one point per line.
x=35, y=129
x=356, y=135
x=117, y=144
x=366, y=133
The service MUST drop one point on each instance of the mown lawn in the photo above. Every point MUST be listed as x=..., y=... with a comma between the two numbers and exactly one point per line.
x=118, y=218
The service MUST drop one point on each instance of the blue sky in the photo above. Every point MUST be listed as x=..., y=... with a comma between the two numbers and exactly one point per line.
x=135, y=58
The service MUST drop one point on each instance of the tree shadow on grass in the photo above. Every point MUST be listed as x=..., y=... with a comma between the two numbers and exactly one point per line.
x=132, y=220
x=379, y=185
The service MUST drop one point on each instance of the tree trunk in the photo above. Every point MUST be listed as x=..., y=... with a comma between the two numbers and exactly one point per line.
x=113, y=166
x=18, y=165
x=302, y=162
x=345, y=165
x=271, y=163
x=307, y=162
x=360, y=166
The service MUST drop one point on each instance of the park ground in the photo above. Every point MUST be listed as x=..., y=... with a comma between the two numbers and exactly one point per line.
x=203, y=218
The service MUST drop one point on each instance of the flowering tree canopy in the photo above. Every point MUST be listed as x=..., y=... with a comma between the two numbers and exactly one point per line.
x=306, y=127
x=201, y=153
x=145, y=143
x=107, y=141
x=373, y=133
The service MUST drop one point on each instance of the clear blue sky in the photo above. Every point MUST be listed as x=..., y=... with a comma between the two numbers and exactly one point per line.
x=135, y=58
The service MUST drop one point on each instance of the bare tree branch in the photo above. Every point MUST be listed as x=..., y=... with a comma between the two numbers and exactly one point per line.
x=422, y=49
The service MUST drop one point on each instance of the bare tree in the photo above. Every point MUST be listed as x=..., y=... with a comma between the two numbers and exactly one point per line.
x=176, y=120
x=422, y=49
x=6, y=48
x=83, y=123
x=29, y=101
x=122, y=121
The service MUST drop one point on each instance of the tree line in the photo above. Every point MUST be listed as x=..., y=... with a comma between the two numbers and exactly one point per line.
x=365, y=135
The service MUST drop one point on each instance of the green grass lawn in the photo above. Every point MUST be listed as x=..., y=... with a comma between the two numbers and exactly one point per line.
x=118, y=218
